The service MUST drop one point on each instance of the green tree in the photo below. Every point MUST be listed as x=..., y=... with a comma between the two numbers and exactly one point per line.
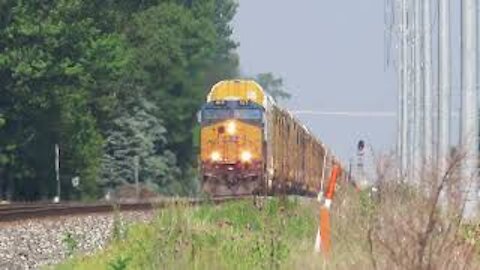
x=273, y=85
x=79, y=74
x=138, y=133
x=53, y=61
x=181, y=45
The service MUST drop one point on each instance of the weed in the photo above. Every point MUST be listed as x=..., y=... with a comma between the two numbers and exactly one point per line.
x=71, y=243
x=119, y=263
x=119, y=230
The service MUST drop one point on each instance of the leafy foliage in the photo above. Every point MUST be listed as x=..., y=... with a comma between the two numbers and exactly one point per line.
x=273, y=85
x=52, y=57
x=180, y=46
x=106, y=81
x=138, y=133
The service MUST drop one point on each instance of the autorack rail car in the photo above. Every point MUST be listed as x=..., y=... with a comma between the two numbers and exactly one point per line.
x=249, y=145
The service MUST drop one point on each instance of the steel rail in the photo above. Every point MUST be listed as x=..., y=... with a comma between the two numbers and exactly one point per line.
x=18, y=212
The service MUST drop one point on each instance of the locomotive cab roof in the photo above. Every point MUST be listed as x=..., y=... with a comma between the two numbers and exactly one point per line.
x=244, y=90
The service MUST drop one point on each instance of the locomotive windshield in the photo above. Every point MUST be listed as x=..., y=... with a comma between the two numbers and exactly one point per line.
x=216, y=114
x=248, y=114
x=231, y=110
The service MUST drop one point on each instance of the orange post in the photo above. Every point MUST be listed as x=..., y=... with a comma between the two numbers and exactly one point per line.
x=332, y=182
x=323, y=242
x=325, y=230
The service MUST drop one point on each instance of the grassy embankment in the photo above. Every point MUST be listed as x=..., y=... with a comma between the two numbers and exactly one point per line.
x=397, y=230
x=235, y=235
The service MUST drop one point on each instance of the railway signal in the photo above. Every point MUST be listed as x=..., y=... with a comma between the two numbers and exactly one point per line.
x=359, y=177
x=360, y=157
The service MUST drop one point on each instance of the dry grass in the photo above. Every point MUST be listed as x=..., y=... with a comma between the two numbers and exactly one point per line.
x=422, y=227
x=411, y=223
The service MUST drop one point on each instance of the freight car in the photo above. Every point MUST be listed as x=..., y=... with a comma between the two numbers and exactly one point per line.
x=248, y=144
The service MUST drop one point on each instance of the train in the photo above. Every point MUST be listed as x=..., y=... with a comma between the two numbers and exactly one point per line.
x=250, y=145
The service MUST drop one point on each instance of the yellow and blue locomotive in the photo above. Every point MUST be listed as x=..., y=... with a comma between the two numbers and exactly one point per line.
x=248, y=145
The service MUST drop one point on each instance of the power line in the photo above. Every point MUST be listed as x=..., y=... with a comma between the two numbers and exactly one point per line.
x=382, y=114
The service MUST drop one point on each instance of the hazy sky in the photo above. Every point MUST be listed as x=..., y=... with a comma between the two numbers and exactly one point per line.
x=331, y=56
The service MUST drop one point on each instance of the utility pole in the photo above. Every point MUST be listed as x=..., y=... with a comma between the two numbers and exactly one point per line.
x=418, y=58
x=394, y=6
x=404, y=89
x=444, y=85
x=57, y=172
x=399, y=118
x=136, y=169
x=469, y=126
x=427, y=83
x=411, y=89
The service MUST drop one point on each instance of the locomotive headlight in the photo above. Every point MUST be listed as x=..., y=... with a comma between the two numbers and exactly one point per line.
x=246, y=156
x=215, y=156
x=231, y=128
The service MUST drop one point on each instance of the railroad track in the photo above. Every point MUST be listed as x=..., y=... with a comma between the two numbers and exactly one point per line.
x=22, y=211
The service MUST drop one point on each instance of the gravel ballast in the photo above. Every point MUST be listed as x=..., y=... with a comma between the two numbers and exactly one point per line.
x=30, y=244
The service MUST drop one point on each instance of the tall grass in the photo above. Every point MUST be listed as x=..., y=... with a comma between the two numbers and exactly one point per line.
x=236, y=235
x=414, y=223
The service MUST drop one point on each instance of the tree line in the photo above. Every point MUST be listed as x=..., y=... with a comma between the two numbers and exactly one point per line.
x=109, y=82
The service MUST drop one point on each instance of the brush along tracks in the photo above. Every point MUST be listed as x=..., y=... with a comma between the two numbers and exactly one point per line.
x=23, y=211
